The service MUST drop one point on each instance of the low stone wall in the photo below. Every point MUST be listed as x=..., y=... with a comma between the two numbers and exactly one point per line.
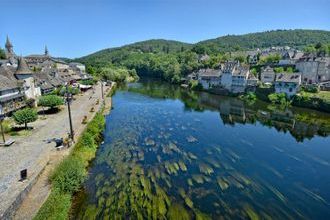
x=8, y=214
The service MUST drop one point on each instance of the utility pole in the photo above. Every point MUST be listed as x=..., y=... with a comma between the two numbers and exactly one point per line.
x=1, y=119
x=102, y=90
x=2, y=132
x=68, y=99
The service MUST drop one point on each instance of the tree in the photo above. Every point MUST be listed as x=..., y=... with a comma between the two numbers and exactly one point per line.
x=240, y=58
x=90, y=70
x=254, y=71
x=309, y=49
x=25, y=116
x=289, y=70
x=51, y=101
x=2, y=54
x=278, y=69
x=71, y=90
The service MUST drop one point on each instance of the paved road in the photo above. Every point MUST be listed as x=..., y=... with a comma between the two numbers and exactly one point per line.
x=32, y=152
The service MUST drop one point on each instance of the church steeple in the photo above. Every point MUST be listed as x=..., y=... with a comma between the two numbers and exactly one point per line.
x=46, y=51
x=9, y=46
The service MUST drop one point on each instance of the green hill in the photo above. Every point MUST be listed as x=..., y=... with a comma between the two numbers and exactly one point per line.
x=292, y=38
x=120, y=53
x=171, y=60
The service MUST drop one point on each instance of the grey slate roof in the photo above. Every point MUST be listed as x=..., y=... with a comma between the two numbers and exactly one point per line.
x=229, y=67
x=6, y=83
x=22, y=67
x=8, y=72
x=241, y=71
x=209, y=73
x=288, y=77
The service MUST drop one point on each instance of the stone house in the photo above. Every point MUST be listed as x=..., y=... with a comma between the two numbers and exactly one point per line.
x=25, y=76
x=267, y=75
x=288, y=83
x=236, y=78
x=209, y=78
x=11, y=97
x=314, y=69
x=78, y=67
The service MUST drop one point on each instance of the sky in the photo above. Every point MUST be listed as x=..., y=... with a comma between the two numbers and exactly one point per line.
x=72, y=28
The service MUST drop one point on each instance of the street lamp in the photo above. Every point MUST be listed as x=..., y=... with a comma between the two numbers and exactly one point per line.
x=102, y=90
x=2, y=116
x=68, y=100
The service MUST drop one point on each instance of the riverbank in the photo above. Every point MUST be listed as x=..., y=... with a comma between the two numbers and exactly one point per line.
x=39, y=157
x=319, y=101
x=69, y=174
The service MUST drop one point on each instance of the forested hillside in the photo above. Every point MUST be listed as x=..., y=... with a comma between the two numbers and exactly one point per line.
x=171, y=60
x=293, y=38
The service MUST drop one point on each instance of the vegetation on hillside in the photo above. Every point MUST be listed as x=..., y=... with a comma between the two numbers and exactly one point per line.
x=292, y=38
x=171, y=60
x=319, y=49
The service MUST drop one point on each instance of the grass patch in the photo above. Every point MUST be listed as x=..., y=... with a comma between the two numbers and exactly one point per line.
x=7, y=125
x=56, y=207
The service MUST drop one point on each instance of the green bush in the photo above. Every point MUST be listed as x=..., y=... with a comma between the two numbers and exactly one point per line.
x=87, y=82
x=312, y=100
x=56, y=207
x=6, y=125
x=279, y=98
x=310, y=88
x=2, y=53
x=51, y=101
x=25, y=116
x=69, y=175
x=87, y=140
x=72, y=90
x=195, y=85
x=250, y=97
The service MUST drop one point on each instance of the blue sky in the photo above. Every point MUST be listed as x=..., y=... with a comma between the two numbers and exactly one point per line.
x=73, y=28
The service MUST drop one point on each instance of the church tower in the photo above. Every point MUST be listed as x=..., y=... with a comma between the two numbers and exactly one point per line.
x=46, y=51
x=9, y=46
x=10, y=55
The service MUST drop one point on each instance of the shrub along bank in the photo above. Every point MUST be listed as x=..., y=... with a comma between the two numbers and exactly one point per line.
x=71, y=172
x=319, y=101
x=312, y=99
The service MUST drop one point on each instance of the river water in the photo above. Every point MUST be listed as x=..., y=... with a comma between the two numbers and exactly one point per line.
x=177, y=154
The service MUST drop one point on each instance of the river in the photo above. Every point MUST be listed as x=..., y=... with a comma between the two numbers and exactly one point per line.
x=177, y=154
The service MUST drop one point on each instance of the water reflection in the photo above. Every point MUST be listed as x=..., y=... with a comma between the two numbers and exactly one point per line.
x=188, y=155
x=301, y=123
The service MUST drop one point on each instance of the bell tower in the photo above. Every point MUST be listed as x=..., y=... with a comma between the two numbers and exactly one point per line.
x=46, y=51
x=9, y=46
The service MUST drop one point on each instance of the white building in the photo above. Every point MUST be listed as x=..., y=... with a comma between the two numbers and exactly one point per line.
x=25, y=76
x=287, y=83
x=209, y=78
x=267, y=75
x=79, y=66
x=236, y=78
x=313, y=69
